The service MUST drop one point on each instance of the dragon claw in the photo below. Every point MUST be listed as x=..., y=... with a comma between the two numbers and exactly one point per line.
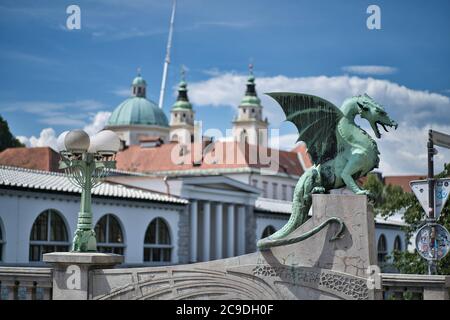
x=367, y=193
x=318, y=190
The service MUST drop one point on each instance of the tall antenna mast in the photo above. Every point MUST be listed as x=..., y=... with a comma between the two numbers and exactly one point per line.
x=167, y=59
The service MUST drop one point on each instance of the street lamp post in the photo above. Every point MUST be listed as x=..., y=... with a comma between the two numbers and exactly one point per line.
x=86, y=161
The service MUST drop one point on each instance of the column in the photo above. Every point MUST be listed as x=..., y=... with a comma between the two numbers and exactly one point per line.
x=241, y=230
x=194, y=230
x=219, y=233
x=230, y=230
x=206, y=230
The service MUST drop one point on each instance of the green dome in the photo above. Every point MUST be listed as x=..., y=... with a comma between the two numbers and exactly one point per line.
x=138, y=111
x=182, y=99
x=139, y=81
x=250, y=101
x=182, y=105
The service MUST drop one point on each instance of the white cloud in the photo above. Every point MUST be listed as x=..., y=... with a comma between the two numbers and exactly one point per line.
x=285, y=141
x=405, y=150
x=402, y=151
x=370, y=70
x=48, y=136
x=416, y=107
x=98, y=122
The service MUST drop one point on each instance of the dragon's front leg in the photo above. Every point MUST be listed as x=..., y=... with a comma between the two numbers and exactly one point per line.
x=354, y=165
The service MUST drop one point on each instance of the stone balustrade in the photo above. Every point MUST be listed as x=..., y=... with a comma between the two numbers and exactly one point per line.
x=315, y=268
x=415, y=286
x=23, y=283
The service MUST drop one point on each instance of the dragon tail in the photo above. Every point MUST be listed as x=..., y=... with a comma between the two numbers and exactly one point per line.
x=268, y=243
x=301, y=203
x=308, y=183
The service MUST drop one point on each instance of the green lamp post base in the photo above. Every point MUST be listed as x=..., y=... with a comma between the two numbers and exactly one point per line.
x=84, y=241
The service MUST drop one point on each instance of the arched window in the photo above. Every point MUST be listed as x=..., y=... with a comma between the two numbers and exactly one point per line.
x=157, y=244
x=382, y=249
x=244, y=136
x=109, y=235
x=49, y=234
x=398, y=243
x=269, y=230
x=2, y=240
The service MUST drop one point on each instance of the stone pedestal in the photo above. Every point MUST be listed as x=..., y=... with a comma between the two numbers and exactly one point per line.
x=71, y=272
x=352, y=254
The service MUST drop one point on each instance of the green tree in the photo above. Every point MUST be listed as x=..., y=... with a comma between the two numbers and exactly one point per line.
x=390, y=199
x=7, y=140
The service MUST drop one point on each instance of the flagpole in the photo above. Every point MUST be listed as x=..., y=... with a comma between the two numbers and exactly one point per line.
x=167, y=59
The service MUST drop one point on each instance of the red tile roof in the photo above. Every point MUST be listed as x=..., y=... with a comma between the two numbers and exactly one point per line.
x=172, y=157
x=402, y=181
x=217, y=155
x=40, y=158
x=149, y=139
x=302, y=150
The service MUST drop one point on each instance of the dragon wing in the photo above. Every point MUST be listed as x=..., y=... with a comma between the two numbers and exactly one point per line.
x=316, y=120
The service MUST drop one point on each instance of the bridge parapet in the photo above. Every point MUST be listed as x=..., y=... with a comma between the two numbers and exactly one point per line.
x=23, y=283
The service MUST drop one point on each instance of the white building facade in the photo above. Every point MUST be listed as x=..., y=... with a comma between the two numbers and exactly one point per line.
x=41, y=216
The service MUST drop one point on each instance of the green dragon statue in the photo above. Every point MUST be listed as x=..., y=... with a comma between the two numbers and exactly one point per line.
x=341, y=151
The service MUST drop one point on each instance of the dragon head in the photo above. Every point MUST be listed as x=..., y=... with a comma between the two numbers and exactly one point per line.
x=374, y=112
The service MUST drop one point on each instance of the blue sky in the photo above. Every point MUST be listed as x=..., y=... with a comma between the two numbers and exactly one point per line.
x=60, y=79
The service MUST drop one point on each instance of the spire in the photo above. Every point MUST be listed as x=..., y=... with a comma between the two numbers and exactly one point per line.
x=138, y=86
x=251, y=91
x=250, y=98
x=182, y=99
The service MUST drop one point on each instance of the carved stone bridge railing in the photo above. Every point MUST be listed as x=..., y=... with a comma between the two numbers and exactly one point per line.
x=415, y=286
x=18, y=283
x=249, y=282
x=315, y=268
